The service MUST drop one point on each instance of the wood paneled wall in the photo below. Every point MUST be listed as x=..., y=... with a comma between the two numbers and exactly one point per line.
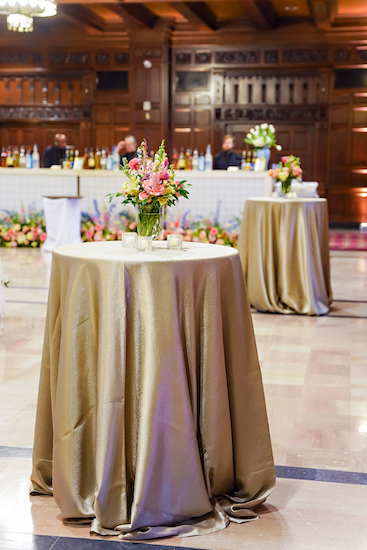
x=197, y=94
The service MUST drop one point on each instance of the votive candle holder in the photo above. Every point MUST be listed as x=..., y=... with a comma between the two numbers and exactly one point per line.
x=128, y=240
x=174, y=241
x=143, y=244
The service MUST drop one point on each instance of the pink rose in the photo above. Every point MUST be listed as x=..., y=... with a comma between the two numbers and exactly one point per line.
x=43, y=237
x=143, y=195
x=11, y=233
x=202, y=234
x=158, y=189
x=147, y=186
x=220, y=241
x=134, y=164
x=98, y=227
x=285, y=159
x=214, y=231
x=132, y=225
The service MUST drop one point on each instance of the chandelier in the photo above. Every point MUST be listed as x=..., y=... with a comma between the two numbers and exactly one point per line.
x=21, y=12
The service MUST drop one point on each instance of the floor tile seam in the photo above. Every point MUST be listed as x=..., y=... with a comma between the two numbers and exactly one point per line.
x=24, y=302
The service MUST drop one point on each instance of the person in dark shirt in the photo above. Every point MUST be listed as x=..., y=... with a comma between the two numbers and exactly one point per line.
x=129, y=144
x=55, y=154
x=228, y=157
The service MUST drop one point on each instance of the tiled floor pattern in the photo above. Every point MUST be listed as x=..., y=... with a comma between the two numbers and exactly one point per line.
x=315, y=379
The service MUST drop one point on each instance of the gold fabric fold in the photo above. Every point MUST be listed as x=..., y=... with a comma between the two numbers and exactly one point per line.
x=284, y=248
x=151, y=414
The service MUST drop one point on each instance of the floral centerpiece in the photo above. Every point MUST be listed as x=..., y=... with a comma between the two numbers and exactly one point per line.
x=22, y=229
x=262, y=138
x=287, y=170
x=151, y=185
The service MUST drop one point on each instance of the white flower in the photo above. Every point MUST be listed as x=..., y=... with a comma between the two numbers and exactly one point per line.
x=259, y=142
x=264, y=126
x=249, y=136
x=278, y=147
x=271, y=127
x=257, y=127
x=268, y=140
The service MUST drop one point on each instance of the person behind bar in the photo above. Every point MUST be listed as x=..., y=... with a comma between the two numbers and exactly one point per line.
x=55, y=154
x=129, y=144
x=228, y=157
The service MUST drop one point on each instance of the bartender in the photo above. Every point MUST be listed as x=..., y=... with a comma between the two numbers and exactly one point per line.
x=55, y=154
x=129, y=144
x=228, y=156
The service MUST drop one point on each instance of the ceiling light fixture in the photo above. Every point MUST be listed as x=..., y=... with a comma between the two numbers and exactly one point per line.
x=21, y=12
x=291, y=8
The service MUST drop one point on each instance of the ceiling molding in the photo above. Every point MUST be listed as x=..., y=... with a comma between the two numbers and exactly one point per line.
x=136, y=15
x=198, y=14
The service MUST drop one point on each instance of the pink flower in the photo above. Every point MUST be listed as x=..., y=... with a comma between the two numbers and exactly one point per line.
x=11, y=233
x=220, y=241
x=98, y=236
x=158, y=189
x=285, y=159
x=214, y=231
x=98, y=227
x=14, y=244
x=164, y=175
x=147, y=186
x=43, y=237
x=186, y=238
x=143, y=195
x=132, y=225
x=134, y=164
x=202, y=234
x=195, y=240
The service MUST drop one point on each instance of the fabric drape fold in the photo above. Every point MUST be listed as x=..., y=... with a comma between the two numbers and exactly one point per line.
x=151, y=418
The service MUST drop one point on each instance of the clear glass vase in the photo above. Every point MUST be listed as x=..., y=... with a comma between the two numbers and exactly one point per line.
x=286, y=186
x=149, y=221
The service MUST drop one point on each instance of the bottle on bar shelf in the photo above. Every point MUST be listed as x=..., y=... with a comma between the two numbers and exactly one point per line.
x=195, y=160
x=208, y=158
x=109, y=160
x=248, y=162
x=22, y=159
x=243, y=161
x=103, y=160
x=71, y=159
x=85, y=156
x=188, y=160
x=16, y=157
x=201, y=162
x=91, y=160
x=9, y=159
x=254, y=158
x=98, y=159
x=116, y=158
x=28, y=159
x=35, y=157
x=175, y=158
x=3, y=158
x=181, y=160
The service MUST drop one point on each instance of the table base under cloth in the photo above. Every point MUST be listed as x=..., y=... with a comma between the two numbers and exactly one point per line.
x=284, y=248
x=151, y=406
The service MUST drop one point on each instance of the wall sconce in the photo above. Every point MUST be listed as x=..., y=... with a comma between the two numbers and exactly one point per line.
x=147, y=64
x=147, y=106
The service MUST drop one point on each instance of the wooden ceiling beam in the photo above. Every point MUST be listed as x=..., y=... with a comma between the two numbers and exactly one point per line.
x=135, y=15
x=320, y=12
x=198, y=14
x=82, y=17
x=261, y=13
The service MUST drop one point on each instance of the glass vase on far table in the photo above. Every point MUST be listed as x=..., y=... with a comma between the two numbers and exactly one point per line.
x=149, y=220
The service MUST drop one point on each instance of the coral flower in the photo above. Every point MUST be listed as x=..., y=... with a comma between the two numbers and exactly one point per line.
x=134, y=164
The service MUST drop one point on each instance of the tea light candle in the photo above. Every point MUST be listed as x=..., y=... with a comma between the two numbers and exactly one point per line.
x=128, y=240
x=144, y=244
x=174, y=241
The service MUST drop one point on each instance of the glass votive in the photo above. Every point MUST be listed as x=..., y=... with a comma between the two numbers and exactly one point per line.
x=144, y=244
x=128, y=240
x=174, y=241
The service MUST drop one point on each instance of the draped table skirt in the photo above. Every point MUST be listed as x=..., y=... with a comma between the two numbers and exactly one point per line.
x=151, y=418
x=284, y=248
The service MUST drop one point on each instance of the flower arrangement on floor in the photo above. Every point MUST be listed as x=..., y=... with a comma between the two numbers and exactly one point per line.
x=151, y=186
x=287, y=170
x=22, y=230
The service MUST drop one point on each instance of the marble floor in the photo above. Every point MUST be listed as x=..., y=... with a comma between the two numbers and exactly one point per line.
x=315, y=379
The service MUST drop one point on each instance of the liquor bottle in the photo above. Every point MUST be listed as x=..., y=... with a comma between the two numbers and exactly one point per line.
x=16, y=157
x=181, y=160
x=85, y=163
x=195, y=160
x=109, y=162
x=248, y=162
x=188, y=160
x=3, y=158
x=91, y=160
x=35, y=157
x=243, y=161
x=254, y=158
x=9, y=159
x=116, y=158
x=208, y=158
x=201, y=162
x=71, y=159
x=98, y=159
x=174, y=158
x=103, y=160
x=76, y=161
x=22, y=159
x=28, y=159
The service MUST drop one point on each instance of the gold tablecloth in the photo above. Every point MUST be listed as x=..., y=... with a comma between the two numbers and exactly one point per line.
x=151, y=418
x=284, y=248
